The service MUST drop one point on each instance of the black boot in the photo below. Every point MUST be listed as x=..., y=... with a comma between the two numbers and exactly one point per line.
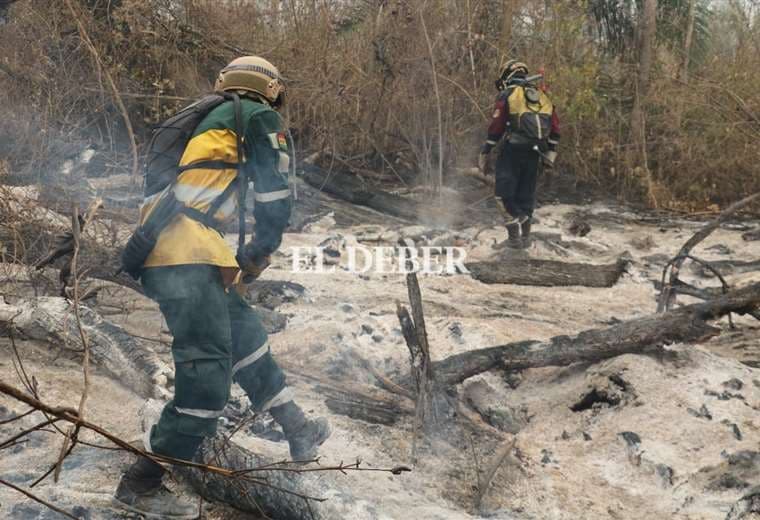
x=513, y=236
x=525, y=232
x=141, y=491
x=304, y=435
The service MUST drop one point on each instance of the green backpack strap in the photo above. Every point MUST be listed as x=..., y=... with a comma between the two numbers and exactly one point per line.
x=242, y=181
x=241, y=184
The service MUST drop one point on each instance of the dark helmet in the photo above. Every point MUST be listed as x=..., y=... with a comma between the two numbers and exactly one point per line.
x=512, y=69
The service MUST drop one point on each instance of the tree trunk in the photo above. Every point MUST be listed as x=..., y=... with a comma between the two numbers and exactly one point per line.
x=647, y=32
x=353, y=189
x=547, y=273
x=686, y=324
x=508, y=15
x=116, y=352
x=277, y=494
x=687, y=40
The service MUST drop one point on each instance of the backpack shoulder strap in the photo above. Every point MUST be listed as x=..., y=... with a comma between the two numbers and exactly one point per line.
x=239, y=183
x=242, y=181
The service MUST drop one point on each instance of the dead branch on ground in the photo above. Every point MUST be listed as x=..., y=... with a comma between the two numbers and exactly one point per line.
x=38, y=499
x=498, y=459
x=284, y=483
x=686, y=324
x=668, y=295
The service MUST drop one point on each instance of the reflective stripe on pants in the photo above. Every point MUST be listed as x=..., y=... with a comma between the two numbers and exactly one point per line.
x=217, y=337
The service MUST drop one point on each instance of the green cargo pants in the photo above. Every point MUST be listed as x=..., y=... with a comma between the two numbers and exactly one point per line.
x=218, y=338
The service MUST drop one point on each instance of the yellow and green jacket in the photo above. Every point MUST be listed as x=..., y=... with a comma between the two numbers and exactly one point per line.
x=188, y=241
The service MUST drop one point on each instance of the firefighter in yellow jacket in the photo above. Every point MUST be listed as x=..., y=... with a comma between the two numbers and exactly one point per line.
x=218, y=338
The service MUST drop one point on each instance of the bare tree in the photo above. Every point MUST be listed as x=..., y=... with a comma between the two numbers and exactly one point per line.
x=688, y=40
x=508, y=13
x=647, y=30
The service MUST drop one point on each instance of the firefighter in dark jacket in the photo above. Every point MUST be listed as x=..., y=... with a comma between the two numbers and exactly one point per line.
x=218, y=338
x=526, y=118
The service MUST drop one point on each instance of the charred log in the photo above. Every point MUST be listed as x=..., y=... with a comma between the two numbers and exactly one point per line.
x=547, y=273
x=118, y=354
x=686, y=324
x=362, y=406
x=352, y=189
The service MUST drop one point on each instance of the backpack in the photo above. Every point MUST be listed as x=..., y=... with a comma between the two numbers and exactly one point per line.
x=530, y=112
x=169, y=140
x=167, y=145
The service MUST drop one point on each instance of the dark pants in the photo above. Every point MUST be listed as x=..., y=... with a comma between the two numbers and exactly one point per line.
x=218, y=338
x=516, y=176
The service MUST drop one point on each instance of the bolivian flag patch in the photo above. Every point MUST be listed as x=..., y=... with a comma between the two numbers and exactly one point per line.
x=282, y=141
x=278, y=141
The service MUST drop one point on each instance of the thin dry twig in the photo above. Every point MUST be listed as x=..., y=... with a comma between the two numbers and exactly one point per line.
x=72, y=433
x=498, y=460
x=38, y=499
x=112, y=85
x=436, y=90
x=70, y=415
x=382, y=380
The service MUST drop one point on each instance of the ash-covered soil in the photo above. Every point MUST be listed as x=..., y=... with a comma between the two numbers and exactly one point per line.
x=666, y=434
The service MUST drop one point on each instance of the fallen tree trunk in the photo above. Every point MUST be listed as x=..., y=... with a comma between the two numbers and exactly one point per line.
x=314, y=205
x=282, y=494
x=686, y=324
x=269, y=488
x=359, y=405
x=355, y=191
x=52, y=319
x=352, y=189
x=547, y=273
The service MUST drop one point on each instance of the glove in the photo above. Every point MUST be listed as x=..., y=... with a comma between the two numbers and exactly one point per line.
x=482, y=162
x=252, y=264
x=549, y=158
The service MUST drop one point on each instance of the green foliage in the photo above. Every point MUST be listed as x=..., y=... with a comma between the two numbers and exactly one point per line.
x=616, y=20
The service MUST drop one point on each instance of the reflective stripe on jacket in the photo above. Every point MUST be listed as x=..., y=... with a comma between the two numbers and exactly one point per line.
x=187, y=241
